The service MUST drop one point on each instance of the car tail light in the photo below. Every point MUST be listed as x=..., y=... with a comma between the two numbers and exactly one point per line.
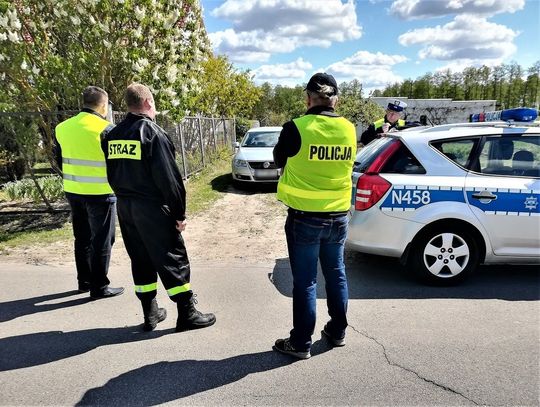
x=370, y=188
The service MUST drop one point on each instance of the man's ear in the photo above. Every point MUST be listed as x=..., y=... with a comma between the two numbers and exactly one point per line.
x=147, y=105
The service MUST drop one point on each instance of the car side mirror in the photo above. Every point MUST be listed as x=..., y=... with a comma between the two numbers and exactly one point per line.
x=236, y=144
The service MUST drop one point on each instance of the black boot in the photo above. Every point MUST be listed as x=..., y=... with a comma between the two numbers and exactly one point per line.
x=189, y=318
x=152, y=315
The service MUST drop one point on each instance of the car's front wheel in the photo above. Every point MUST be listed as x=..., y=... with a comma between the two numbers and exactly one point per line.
x=444, y=255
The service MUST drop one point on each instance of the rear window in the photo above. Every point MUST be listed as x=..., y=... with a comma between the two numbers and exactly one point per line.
x=369, y=153
x=402, y=161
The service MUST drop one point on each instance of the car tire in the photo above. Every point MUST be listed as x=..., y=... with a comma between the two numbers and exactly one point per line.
x=445, y=255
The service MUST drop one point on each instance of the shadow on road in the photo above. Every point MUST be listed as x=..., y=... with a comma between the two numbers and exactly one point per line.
x=224, y=183
x=35, y=349
x=18, y=308
x=169, y=381
x=376, y=277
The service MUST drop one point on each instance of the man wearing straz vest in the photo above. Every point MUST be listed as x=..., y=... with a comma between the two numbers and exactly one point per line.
x=93, y=204
x=316, y=152
x=151, y=210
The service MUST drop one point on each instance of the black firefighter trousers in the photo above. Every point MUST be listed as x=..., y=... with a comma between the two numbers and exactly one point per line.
x=155, y=247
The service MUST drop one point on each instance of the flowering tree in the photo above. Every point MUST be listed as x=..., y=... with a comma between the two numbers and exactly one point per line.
x=51, y=49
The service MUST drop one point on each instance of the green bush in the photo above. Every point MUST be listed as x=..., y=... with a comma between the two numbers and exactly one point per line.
x=26, y=189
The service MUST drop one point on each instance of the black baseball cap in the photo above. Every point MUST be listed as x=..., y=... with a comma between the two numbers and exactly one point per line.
x=319, y=79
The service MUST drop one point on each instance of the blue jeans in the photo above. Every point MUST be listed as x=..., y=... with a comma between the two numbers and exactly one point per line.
x=310, y=239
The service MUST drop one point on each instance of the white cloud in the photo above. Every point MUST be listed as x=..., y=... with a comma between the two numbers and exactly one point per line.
x=372, y=70
x=283, y=74
x=263, y=27
x=465, y=38
x=417, y=9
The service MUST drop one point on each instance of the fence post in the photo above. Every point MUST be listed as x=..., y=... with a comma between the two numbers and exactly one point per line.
x=201, y=141
x=214, y=133
x=234, y=130
x=182, y=148
x=224, y=130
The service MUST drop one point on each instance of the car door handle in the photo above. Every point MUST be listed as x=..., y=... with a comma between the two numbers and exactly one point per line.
x=484, y=195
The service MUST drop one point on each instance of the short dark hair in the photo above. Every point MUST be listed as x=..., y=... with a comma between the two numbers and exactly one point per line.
x=94, y=96
x=136, y=94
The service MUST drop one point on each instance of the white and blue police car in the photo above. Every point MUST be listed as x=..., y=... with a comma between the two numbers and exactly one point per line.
x=446, y=198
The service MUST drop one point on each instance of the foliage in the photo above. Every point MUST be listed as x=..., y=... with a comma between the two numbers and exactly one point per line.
x=224, y=91
x=509, y=84
x=26, y=189
x=354, y=107
x=279, y=104
x=50, y=50
x=242, y=126
x=19, y=145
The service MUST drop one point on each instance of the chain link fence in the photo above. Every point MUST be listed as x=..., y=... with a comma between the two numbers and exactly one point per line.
x=26, y=138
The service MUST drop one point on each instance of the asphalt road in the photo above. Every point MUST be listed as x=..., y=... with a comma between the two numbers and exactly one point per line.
x=476, y=344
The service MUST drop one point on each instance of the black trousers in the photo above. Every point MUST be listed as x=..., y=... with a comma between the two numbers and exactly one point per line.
x=155, y=248
x=93, y=219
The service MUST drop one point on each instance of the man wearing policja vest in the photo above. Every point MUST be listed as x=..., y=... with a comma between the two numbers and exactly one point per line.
x=93, y=204
x=316, y=152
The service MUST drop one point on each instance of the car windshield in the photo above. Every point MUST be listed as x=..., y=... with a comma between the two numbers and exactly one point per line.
x=261, y=139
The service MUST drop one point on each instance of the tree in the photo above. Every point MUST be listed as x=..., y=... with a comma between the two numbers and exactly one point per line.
x=532, y=88
x=50, y=50
x=225, y=91
x=354, y=107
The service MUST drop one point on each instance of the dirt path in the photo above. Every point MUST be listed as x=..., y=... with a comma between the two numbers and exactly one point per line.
x=242, y=225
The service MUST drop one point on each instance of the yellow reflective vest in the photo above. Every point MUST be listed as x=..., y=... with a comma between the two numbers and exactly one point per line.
x=318, y=177
x=380, y=122
x=83, y=162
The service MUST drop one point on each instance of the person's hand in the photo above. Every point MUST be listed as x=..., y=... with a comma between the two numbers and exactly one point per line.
x=385, y=127
x=181, y=225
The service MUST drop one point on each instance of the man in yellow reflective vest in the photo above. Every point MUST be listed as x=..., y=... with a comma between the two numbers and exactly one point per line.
x=93, y=204
x=143, y=173
x=391, y=120
x=317, y=152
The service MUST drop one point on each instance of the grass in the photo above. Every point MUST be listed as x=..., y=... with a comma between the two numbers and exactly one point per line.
x=203, y=189
x=207, y=186
x=33, y=238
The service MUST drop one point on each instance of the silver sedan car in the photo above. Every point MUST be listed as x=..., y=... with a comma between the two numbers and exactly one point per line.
x=253, y=160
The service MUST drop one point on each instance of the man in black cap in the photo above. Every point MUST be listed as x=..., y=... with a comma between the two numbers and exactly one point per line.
x=316, y=152
x=391, y=120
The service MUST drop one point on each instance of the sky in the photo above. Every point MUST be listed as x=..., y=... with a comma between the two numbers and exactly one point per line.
x=375, y=41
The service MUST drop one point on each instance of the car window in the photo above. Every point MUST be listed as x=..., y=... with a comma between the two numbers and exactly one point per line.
x=369, y=153
x=261, y=139
x=458, y=151
x=402, y=162
x=514, y=156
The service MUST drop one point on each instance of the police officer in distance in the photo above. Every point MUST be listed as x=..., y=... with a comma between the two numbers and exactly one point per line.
x=317, y=152
x=391, y=120
x=92, y=202
x=151, y=210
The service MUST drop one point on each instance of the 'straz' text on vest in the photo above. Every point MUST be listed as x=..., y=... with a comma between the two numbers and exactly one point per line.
x=130, y=149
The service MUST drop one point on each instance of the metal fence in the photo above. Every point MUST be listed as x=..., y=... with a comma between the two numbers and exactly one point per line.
x=197, y=140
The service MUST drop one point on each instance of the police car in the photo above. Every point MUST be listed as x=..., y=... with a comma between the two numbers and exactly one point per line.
x=444, y=199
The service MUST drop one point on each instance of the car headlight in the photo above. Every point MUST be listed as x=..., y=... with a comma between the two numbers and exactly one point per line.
x=240, y=163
